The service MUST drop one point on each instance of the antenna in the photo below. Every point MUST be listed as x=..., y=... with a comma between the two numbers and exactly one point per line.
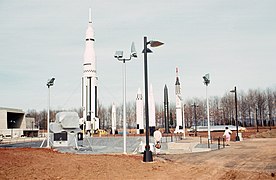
x=90, y=17
x=176, y=71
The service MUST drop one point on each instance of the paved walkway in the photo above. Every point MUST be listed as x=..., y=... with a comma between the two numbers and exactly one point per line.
x=107, y=145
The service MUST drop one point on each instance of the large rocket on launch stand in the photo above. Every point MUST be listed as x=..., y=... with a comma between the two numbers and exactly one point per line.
x=89, y=81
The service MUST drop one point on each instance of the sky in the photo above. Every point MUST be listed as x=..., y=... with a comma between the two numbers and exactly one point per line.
x=234, y=41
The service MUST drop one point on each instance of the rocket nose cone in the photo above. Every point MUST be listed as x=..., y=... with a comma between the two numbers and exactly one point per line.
x=89, y=33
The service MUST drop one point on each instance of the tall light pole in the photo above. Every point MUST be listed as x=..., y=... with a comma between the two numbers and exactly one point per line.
x=49, y=84
x=236, y=107
x=206, y=79
x=119, y=56
x=147, y=153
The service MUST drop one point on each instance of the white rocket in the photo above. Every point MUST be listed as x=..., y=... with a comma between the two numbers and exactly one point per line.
x=178, y=104
x=113, y=118
x=139, y=112
x=151, y=111
x=89, y=81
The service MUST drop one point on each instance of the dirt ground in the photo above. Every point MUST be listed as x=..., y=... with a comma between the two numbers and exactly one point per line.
x=253, y=158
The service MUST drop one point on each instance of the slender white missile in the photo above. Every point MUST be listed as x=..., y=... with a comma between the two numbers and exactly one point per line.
x=152, y=120
x=113, y=118
x=89, y=81
x=139, y=112
x=178, y=104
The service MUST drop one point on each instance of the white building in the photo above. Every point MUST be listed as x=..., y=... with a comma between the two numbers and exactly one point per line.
x=14, y=123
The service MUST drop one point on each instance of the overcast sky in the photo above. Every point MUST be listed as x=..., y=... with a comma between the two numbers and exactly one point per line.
x=234, y=41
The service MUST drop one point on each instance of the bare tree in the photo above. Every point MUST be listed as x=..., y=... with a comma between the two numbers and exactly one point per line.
x=251, y=106
x=243, y=107
x=269, y=97
x=214, y=110
x=227, y=103
x=131, y=114
x=260, y=101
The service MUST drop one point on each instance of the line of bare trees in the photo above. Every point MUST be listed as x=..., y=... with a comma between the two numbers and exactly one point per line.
x=255, y=107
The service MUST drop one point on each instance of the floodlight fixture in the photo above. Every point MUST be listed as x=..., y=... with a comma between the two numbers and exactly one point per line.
x=206, y=79
x=133, y=51
x=50, y=82
x=118, y=54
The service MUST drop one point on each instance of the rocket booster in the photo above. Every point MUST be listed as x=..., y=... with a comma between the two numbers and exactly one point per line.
x=89, y=80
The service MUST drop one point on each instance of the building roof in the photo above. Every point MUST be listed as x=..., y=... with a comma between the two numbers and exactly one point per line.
x=13, y=110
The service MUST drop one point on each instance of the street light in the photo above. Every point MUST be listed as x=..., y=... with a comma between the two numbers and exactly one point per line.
x=147, y=153
x=119, y=56
x=236, y=107
x=206, y=79
x=49, y=84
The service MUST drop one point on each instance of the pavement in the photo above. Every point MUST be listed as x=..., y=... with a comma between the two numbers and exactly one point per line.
x=111, y=145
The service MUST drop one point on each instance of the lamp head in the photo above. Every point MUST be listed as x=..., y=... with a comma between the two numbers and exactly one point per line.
x=50, y=82
x=206, y=79
x=133, y=51
x=118, y=54
x=155, y=43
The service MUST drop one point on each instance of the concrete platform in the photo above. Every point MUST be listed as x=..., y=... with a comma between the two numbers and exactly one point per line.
x=134, y=145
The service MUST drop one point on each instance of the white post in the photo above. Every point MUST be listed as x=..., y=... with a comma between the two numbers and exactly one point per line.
x=208, y=117
x=124, y=120
x=48, y=119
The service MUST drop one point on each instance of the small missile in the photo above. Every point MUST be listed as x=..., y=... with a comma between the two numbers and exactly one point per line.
x=178, y=103
x=166, y=109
